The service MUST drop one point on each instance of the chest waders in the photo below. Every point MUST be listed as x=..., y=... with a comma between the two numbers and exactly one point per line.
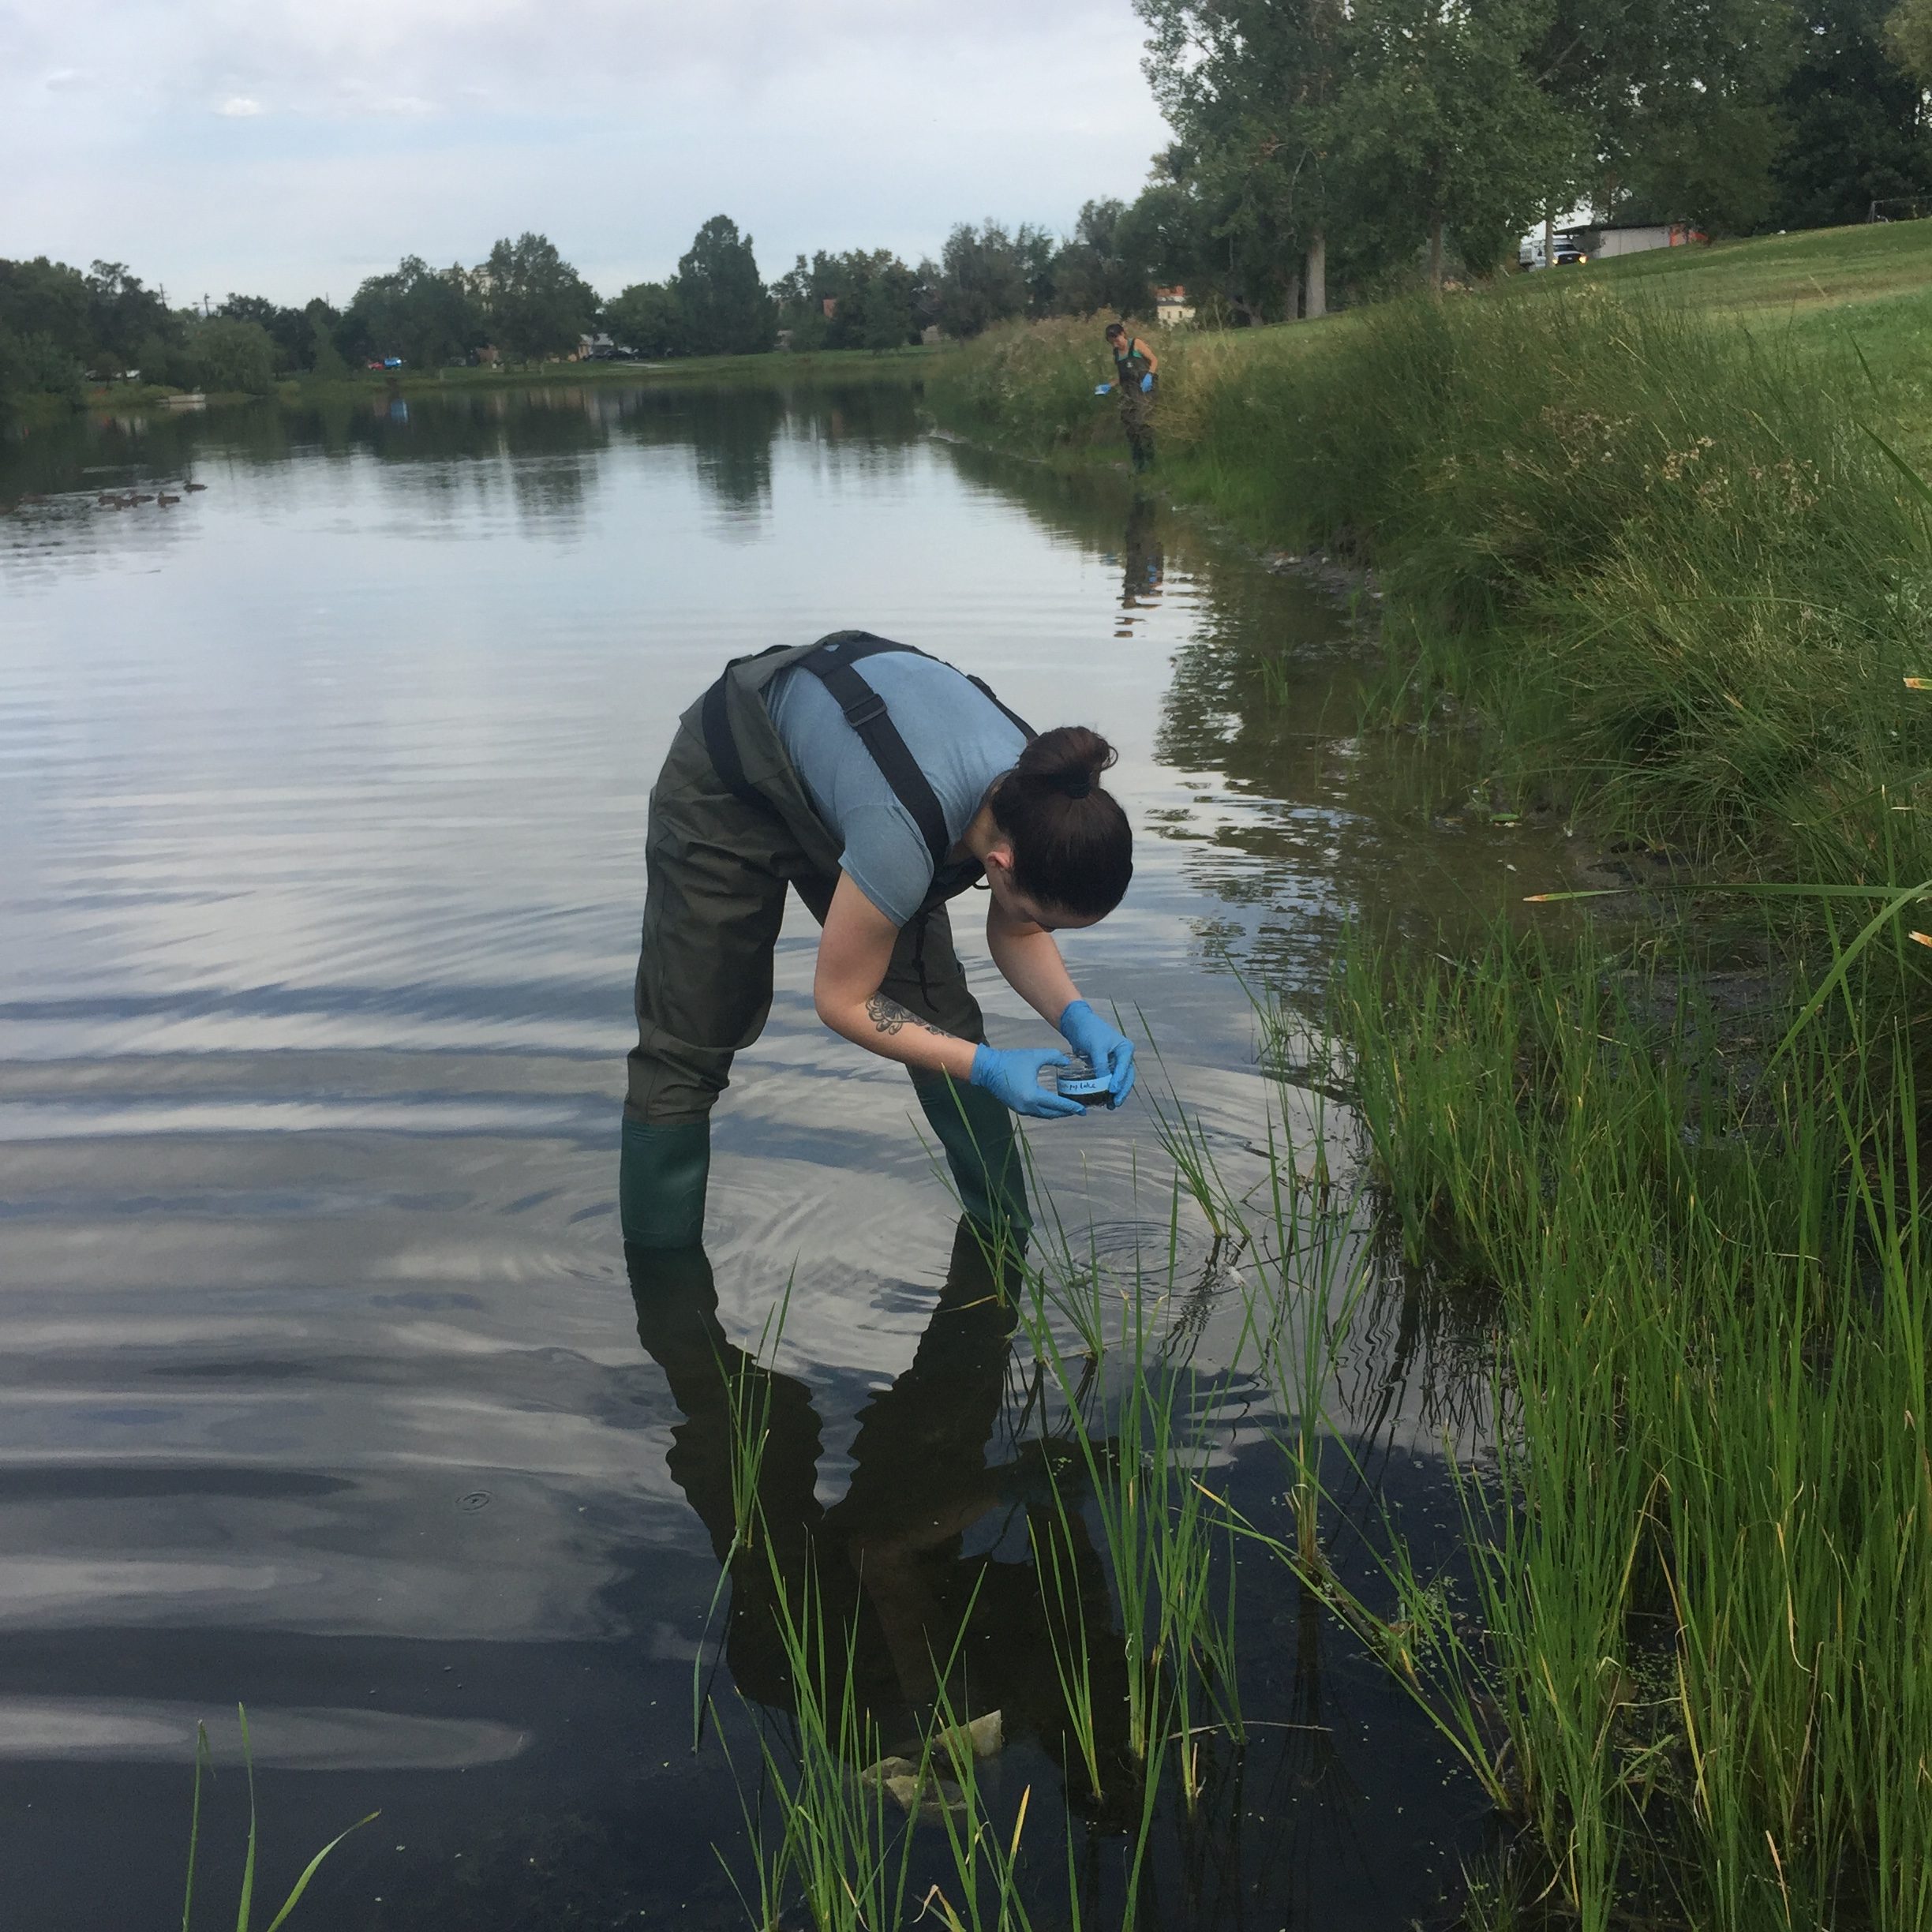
x=731, y=829
x=1137, y=409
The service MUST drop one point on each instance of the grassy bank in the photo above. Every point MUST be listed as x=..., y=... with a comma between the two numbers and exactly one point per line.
x=1655, y=538
x=1663, y=558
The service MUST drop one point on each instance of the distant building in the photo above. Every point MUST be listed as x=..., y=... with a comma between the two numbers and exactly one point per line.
x=594, y=348
x=1635, y=237
x=1171, y=306
x=932, y=333
x=829, y=305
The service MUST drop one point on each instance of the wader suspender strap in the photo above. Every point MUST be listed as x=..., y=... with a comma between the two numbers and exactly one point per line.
x=862, y=646
x=866, y=713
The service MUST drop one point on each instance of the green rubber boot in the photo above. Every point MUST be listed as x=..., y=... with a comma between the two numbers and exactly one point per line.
x=661, y=1173
x=982, y=1150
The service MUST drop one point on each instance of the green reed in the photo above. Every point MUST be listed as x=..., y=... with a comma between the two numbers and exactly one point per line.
x=204, y=1762
x=1704, y=1633
x=1128, y=1438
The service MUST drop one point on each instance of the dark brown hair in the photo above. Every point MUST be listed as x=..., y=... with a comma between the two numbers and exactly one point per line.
x=1072, y=847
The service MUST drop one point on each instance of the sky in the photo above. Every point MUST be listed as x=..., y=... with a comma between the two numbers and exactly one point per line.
x=268, y=148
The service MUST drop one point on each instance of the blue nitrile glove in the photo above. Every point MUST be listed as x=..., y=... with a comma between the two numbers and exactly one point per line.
x=1110, y=1050
x=1147, y=384
x=1101, y=388
x=1011, y=1075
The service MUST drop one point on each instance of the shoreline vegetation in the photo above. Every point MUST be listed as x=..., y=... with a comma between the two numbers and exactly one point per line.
x=1656, y=549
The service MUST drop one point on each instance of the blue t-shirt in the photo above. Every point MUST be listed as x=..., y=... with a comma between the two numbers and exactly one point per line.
x=958, y=737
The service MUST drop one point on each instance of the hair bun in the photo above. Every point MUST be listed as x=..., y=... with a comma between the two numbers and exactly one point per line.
x=1067, y=760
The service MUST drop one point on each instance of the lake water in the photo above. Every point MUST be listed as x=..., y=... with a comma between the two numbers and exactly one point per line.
x=322, y=798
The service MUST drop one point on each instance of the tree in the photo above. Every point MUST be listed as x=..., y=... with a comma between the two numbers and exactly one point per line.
x=428, y=317
x=1445, y=134
x=290, y=330
x=129, y=325
x=799, y=299
x=1164, y=236
x=534, y=303
x=879, y=313
x=1656, y=85
x=1709, y=162
x=646, y=317
x=860, y=300
x=1908, y=38
x=725, y=308
x=1093, y=271
x=1857, y=124
x=45, y=299
x=987, y=275
x=1248, y=85
x=228, y=355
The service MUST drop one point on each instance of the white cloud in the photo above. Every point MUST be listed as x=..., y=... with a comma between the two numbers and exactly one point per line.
x=616, y=126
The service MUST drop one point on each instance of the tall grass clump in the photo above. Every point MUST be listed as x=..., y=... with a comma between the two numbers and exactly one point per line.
x=1703, y=1578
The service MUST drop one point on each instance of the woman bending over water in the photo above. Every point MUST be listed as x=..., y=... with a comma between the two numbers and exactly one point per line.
x=876, y=794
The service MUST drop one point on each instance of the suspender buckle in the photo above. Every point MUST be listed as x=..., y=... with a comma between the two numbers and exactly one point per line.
x=869, y=709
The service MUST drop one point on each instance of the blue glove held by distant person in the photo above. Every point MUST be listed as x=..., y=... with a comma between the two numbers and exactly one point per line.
x=1101, y=388
x=1110, y=1050
x=1011, y=1075
x=1147, y=384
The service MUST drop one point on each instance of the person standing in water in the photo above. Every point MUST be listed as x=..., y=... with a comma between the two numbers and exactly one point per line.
x=877, y=795
x=1135, y=367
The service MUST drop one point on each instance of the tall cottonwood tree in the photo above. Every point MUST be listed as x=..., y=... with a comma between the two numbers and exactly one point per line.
x=1443, y=130
x=1662, y=84
x=1248, y=86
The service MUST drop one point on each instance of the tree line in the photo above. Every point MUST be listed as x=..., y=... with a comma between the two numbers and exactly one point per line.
x=1322, y=150
x=61, y=326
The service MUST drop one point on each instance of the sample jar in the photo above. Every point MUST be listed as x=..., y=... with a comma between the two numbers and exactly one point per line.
x=1080, y=1082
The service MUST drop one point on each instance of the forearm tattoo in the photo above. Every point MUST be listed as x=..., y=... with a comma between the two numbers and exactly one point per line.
x=889, y=1017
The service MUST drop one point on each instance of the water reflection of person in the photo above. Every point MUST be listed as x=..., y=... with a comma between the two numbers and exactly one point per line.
x=1144, y=565
x=887, y=1566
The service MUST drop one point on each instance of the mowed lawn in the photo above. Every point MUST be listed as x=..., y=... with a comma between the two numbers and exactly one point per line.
x=1859, y=299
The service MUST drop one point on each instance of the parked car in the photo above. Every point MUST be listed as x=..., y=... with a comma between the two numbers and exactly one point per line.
x=1563, y=249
